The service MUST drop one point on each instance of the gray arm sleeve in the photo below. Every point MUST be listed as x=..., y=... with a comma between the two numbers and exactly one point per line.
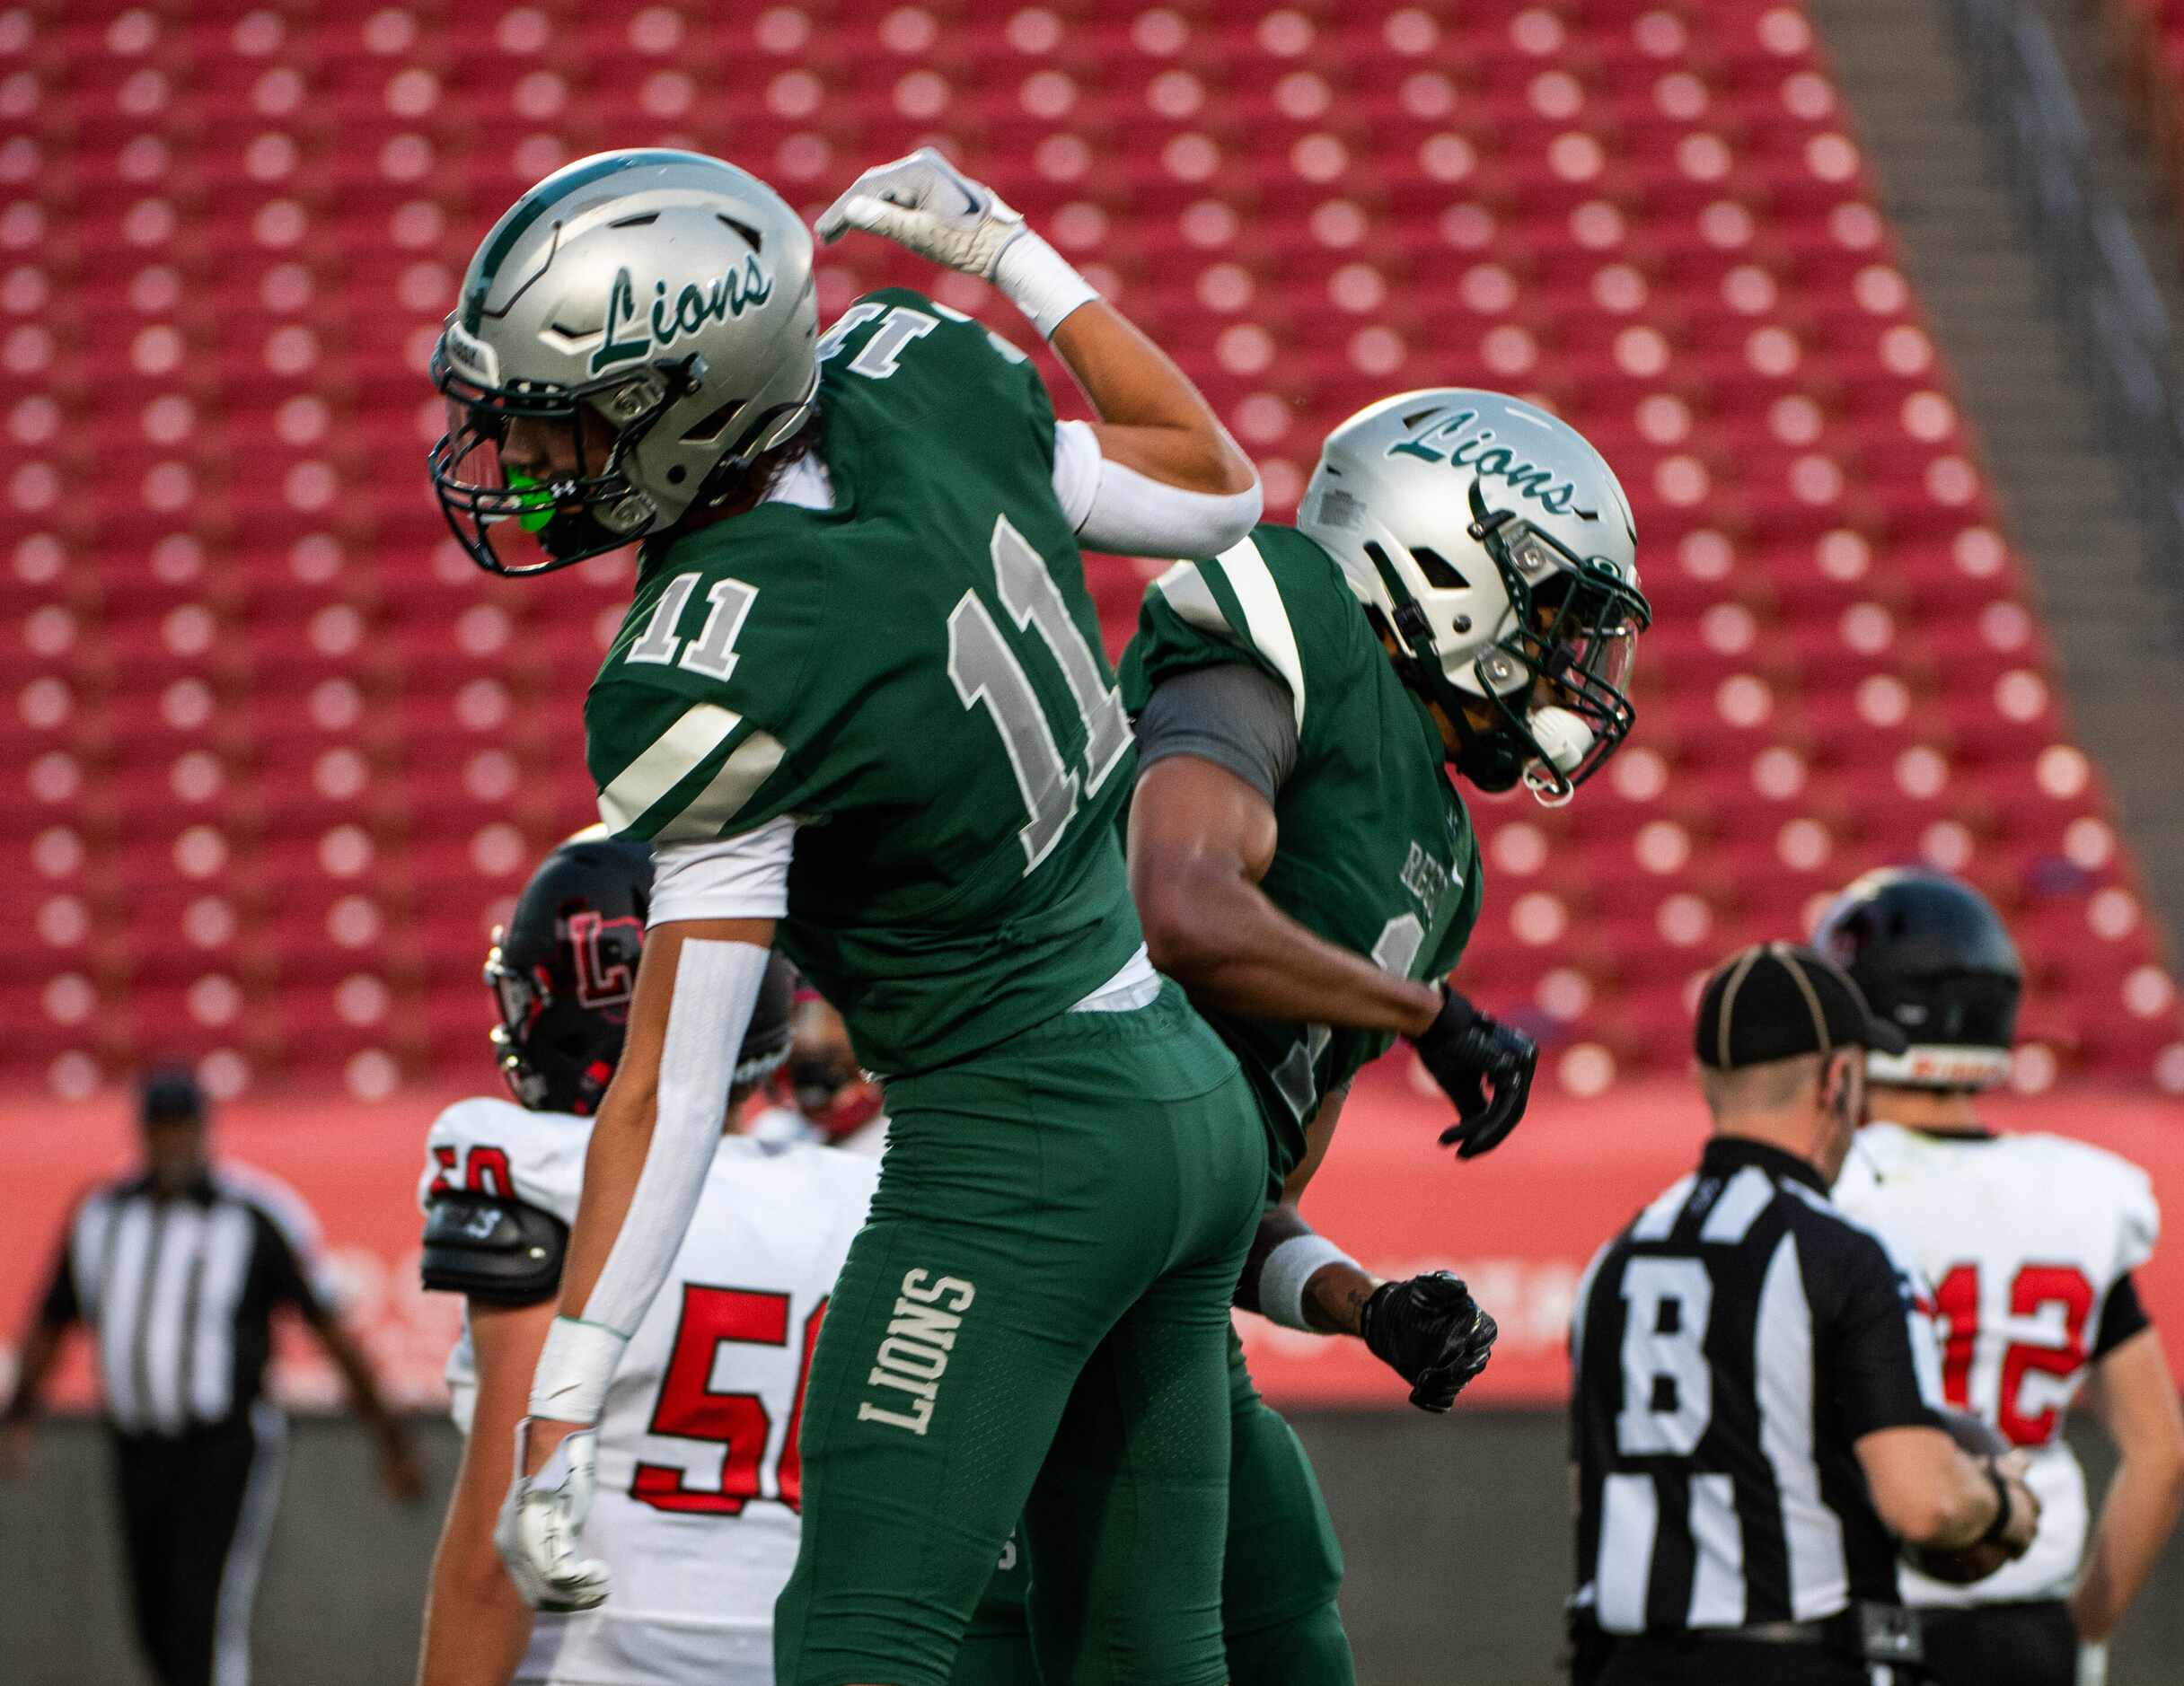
x=1233, y=715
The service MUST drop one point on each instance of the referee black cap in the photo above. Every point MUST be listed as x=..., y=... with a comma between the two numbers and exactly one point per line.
x=1778, y=1000
x=171, y=1096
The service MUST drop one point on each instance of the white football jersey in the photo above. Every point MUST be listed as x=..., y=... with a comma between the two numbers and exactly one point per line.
x=699, y=1467
x=2022, y=1239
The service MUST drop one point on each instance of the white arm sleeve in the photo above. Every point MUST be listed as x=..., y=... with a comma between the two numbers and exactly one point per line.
x=715, y=990
x=743, y=877
x=1115, y=509
x=717, y=986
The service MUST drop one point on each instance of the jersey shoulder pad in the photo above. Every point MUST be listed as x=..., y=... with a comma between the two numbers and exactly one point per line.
x=500, y=1151
x=501, y=1251
x=1274, y=600
x=696, y=707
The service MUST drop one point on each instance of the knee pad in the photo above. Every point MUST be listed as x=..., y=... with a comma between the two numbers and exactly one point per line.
x=1308, y=1649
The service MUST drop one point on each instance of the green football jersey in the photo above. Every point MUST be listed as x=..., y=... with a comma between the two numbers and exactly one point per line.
x=915, y=675
x=1376, y=852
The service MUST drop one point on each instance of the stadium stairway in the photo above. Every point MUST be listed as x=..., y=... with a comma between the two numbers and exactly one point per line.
x=2118, y=145
x=2117, y=630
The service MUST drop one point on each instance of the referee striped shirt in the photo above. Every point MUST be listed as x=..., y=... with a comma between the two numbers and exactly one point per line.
x=179, y=1292
x=1729, y=1350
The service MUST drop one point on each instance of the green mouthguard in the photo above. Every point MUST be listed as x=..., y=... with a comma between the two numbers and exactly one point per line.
x=537, y=502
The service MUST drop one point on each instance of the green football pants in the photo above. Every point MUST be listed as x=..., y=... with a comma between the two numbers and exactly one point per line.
x=1031, y=1324
x=1279, y=1582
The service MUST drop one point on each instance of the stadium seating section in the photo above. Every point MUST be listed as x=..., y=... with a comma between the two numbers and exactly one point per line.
x=279, y=754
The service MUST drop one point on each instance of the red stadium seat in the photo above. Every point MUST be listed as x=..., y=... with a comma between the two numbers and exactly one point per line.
x=280, y=754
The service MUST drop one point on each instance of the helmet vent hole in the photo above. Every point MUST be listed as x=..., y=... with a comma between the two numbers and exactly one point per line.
x=643, y=219
x=708, y=429
x=1438, y=569
x=677, y=475
x=751, y=235
x=1417, y=416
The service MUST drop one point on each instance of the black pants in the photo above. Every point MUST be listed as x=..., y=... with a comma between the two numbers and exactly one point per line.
x=2003, y=1644
x=1682, y=1662
x=196, y=1510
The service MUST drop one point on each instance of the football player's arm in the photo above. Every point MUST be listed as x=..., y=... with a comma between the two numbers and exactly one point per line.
x=1203, y=834
x=2135, y=1399
x=697, y=983
x=1167, y=479
x=1214, y=745
x=475, y=1623
x=1153, y=421
x=1427, y=1329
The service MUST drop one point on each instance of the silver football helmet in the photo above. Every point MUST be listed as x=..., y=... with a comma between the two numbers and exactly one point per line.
x=660, y=301
x=1497, y=547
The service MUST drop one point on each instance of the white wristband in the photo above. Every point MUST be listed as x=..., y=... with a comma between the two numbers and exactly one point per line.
x=1288, y=1268
x=575, y=1367
x=1039, y=281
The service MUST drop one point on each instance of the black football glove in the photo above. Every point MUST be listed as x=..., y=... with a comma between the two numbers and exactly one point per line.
x=1430, y=1331
x=1484, y=1066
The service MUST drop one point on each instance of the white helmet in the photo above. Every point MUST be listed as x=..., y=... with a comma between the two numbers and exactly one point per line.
x=1497, y=547
x=667, y=294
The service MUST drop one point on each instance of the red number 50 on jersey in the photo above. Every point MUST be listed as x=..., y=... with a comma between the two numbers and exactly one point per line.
x=689, y=1409
x=2034, y=1288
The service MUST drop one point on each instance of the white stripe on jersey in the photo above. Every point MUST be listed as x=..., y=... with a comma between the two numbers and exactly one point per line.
x=1745, y=1195
x=1819, y=1574
x=212, y=1355
x=182, y=1260
x=119, y=1313
x=1271, y=632
x=1629, y=1516
x=673, y=754
x=1717, y=1574
x=750, y=764
x=1658, y=1219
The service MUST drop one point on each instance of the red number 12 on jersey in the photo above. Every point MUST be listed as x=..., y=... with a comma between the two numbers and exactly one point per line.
x=2034, y=1288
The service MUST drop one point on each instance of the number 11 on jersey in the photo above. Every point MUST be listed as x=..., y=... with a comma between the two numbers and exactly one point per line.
x=985, y=669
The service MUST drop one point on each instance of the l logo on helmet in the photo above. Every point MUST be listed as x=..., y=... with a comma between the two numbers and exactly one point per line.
x=1466, y=445
x=606, y=952
x=632, y=333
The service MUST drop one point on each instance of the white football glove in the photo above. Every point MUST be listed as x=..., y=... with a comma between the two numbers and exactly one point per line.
x=541, y=1522
x=923, y=202
x=2093, y=1663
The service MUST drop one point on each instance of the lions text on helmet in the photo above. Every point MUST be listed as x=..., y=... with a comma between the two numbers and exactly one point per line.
x=634, y=332
x=1497, y=552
